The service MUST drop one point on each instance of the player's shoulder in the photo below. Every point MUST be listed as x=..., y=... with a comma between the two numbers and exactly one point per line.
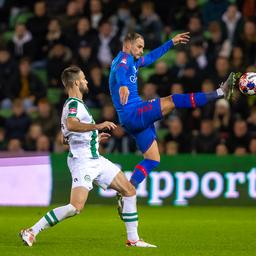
x=125, y=58
x=73, y=103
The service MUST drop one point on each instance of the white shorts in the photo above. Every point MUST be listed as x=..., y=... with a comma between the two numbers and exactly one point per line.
x=85, y=171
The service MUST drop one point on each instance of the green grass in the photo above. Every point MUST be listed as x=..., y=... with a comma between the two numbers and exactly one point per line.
x=199, y=231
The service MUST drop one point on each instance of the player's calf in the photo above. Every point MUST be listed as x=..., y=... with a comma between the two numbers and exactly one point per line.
x=50, y=219
x=142, y=170
x=198, y=99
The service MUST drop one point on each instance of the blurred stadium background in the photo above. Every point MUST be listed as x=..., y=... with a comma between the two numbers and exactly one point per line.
x=208, y=154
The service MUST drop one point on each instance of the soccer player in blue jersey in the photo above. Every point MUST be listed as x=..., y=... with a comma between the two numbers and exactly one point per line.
x=138, y=116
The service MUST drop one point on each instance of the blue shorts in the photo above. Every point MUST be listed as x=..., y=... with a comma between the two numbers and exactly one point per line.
x=138, y=120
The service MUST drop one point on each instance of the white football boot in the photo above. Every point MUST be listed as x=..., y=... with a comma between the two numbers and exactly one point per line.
x=27, y=236
x=139, y=243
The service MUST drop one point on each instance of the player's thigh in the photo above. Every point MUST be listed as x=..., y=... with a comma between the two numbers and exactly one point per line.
x=111, y=176
x=142, y=115
x=83, y=171
x=107, y=172
x=149, y=112
x=153, y=152
x=78, y=197
x=145, y=138
x=121, y=184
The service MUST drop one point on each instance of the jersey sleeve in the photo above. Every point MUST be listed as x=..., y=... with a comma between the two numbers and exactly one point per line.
x=75, y=110
x=121, y=71
x=151, y=57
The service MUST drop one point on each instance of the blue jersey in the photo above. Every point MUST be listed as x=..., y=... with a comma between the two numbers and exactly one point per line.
x=137, y=116
x=124, y=72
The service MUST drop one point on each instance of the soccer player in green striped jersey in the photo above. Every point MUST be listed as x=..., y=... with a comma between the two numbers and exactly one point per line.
x=86, y=165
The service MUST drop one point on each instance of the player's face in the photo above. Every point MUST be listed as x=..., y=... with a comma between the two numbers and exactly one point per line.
x=83, y=83
x=137, y=48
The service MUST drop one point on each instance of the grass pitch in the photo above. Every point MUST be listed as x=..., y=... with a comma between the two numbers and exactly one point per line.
x=98, y=231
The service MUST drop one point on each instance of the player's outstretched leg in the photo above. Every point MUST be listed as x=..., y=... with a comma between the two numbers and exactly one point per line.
x=190, y=100
x=198, y=99
x=50, y=219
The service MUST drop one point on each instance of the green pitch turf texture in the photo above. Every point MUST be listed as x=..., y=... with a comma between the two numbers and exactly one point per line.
x=98, y=231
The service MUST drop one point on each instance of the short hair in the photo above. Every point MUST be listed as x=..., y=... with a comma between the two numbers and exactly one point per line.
x=69, y=75
x=132, y=37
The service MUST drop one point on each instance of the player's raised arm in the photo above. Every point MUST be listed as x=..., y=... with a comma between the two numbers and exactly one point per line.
x=157, y=53
x=74, y=125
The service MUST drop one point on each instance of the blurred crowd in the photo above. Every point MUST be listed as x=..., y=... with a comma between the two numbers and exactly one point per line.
x=38, y=39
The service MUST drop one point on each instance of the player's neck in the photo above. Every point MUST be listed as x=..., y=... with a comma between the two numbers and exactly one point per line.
x=126, y=50
x=75, y=94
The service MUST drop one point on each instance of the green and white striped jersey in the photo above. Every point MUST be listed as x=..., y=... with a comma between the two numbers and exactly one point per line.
x=85, y=143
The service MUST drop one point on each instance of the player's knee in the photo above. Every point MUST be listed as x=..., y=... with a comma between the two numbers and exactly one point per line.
x=129, y=190
x=157, y=158
x=167, y=105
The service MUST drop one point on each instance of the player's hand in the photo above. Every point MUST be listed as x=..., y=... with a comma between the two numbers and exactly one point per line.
x=105, y=126
x=124, y=94
x=103, y=136
x=182, y=38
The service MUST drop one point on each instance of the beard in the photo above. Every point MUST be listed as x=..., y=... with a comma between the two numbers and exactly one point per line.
x=83, y=90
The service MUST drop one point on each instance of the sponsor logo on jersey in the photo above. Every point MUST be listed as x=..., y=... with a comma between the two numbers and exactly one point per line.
x=124, y=60
x=135, y=69
x=87, y=178
x=133, y=78
x=72, y=110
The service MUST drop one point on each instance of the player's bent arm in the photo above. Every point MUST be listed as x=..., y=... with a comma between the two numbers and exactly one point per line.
x=74, y=125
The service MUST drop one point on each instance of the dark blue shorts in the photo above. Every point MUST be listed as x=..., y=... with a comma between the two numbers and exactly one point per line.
x=138, y=120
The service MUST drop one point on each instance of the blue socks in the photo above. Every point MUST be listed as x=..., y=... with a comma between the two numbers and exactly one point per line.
x=193, y=100
x=142, y=170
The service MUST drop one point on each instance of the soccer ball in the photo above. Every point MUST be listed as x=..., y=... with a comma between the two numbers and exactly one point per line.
x=247, y=83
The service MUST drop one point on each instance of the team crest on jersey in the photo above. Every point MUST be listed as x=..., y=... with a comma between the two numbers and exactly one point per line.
x=87, y=178
x=72, y=111
x=124, y=60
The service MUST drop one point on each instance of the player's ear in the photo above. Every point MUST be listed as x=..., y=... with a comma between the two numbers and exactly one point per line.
x=127, y=45
x=77, y=82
